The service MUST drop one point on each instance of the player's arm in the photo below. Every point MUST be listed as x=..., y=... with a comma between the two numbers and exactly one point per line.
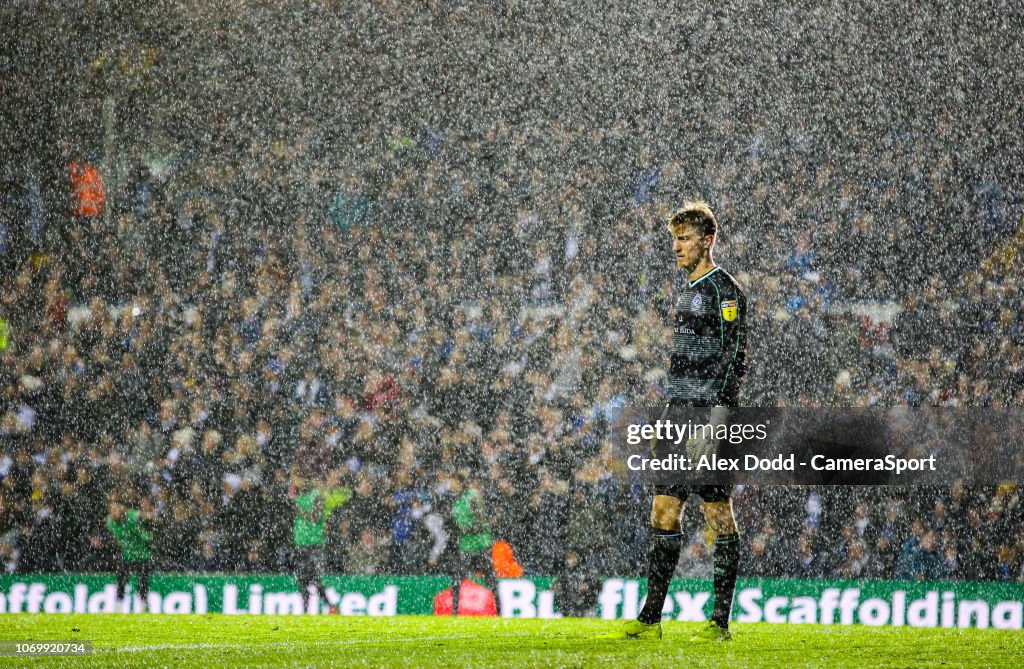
x=319, y=510
x=315, y=512
x=732, y=366
x=147, y=523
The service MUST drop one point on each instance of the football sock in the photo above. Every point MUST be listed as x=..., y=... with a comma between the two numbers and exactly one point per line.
x=323, y=593
x=663, y=556
x=726, y=561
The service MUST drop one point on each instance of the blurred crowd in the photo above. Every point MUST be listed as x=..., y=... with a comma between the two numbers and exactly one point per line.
x=322, y=273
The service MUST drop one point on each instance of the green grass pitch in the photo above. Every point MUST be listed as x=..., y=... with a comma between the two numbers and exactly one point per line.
x=422, y=641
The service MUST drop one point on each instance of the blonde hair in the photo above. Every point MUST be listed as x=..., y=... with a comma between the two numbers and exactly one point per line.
x=698, y=214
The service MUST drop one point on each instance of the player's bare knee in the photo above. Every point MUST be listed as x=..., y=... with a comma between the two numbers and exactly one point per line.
x=665, y=513
x=666, y=523
x=720, y=517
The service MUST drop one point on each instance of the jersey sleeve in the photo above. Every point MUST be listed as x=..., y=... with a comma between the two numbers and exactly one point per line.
x=732, y=366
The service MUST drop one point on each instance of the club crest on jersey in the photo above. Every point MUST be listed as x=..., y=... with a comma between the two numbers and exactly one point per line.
x=729, y=310
x=697, y=302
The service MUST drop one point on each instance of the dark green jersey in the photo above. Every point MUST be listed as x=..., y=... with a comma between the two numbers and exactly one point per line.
x=132, y=536
x=708, y=342
x=310, y=519
x=312, y=510
x=469, y=516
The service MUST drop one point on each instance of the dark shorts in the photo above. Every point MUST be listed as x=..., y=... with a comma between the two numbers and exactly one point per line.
x=309, y=563
x=476, y=563
x=125, y=569
x=709, y=493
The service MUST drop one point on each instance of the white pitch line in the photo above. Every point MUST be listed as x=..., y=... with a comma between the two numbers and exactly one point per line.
x=339, y=642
